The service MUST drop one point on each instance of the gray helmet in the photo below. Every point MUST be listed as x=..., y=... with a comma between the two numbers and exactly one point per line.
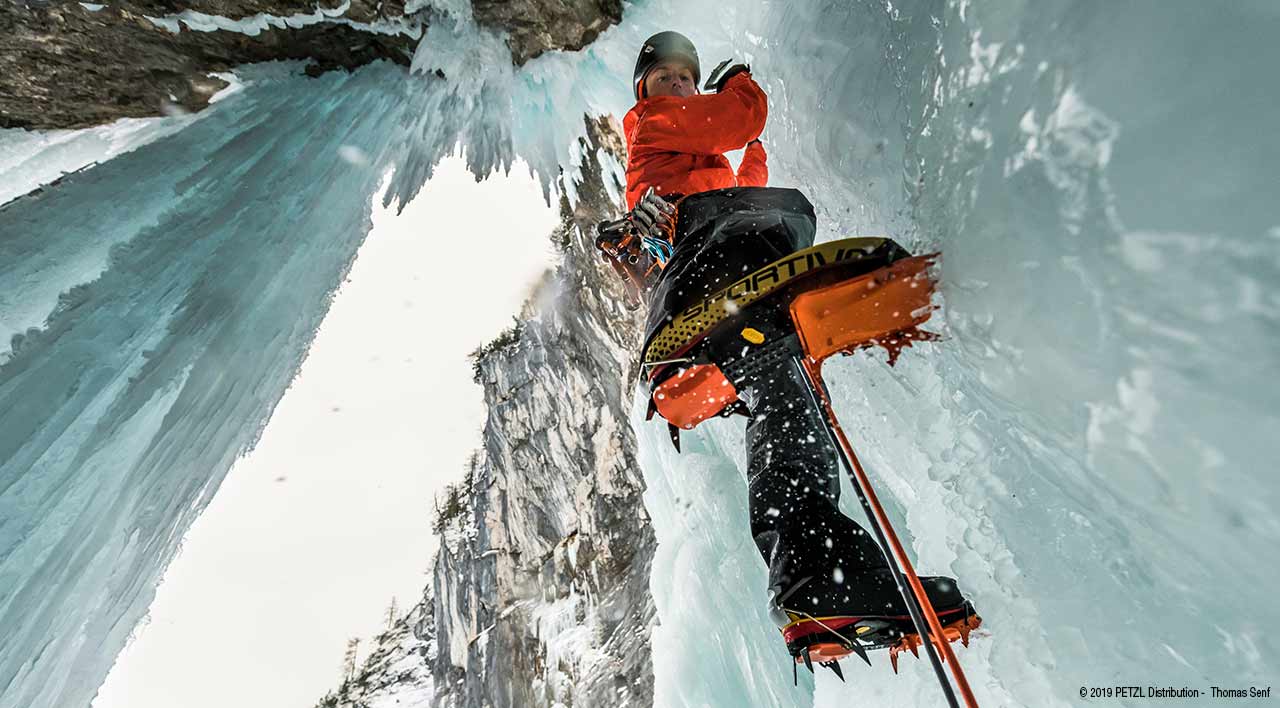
x=659, y=48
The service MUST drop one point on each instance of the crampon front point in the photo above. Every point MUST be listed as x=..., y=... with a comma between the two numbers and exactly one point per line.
x=958, y=629
x=827, y=640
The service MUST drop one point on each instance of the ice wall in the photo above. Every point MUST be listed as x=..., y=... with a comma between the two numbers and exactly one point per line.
x=165, y=299
x=1087, y=451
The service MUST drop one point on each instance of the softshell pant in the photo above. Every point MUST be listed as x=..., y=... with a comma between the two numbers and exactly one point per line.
x=820, y=561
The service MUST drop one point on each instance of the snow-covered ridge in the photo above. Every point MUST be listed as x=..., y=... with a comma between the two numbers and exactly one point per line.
x=254, y=25
x=31, y=159
x=87, y=64
x=396, y=672
x=71, y=66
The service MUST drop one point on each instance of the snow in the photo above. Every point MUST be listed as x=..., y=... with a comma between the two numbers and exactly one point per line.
x=569, y=646
x=254, y=25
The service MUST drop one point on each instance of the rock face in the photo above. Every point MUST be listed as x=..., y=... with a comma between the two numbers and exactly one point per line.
x=68, y=66
x=538, y=25
x=542, y=583
x=540, y=590
x=74, y=65
x=358, y=10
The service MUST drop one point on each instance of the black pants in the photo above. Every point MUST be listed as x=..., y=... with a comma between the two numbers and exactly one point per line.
x=820, y=561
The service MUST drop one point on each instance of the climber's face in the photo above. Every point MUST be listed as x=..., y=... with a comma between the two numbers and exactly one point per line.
x=670, y=78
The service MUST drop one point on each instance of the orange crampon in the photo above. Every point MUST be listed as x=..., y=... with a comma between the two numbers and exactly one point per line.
x=959, y=629
x=826, y=651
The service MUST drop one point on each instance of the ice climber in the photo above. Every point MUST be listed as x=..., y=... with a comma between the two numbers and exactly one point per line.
x=828, y=579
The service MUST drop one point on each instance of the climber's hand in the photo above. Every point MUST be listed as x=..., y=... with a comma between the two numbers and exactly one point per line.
x=645, y=229
x=653, y=215
x=725, y=71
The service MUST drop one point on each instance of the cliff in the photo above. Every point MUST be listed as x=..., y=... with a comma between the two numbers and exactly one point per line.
x=540, y=592
x=541, y=587
x=74, y=64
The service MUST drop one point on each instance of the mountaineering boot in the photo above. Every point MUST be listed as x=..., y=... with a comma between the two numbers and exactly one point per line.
x=864, y=612
x=832, y=590
x=831, y=587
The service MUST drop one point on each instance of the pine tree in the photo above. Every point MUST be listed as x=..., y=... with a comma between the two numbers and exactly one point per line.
x=349, y=659
x=393, y=613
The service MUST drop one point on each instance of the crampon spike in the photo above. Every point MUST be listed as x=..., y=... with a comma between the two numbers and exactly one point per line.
x=970, y=622
x=835, y=667
x=795, y=673
x=903, y=644
x=808, y=663
x=959, y=629
x=862, y=653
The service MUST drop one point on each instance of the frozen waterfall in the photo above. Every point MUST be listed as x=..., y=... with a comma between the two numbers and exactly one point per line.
x=1087, y=450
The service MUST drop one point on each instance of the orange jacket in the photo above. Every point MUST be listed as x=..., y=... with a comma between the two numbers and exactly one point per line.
x=675, y=144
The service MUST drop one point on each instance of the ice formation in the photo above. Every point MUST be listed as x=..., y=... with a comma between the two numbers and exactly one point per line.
x=1085, y=451
x=255, y=24
x=1088, y=450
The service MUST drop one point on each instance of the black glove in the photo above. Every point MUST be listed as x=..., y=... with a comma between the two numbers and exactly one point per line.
x=641, y=230
x=720, y=76
x=652, y=215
